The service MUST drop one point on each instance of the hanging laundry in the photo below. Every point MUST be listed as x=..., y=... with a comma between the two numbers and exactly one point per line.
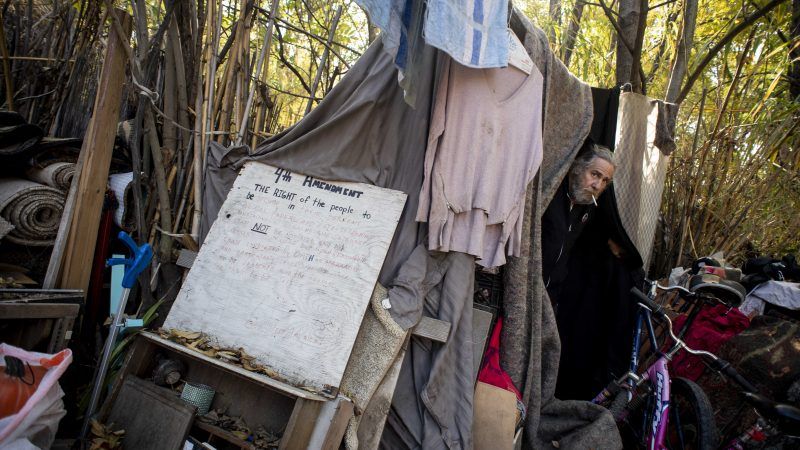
x=474, y=33
x=484, y=147
x=401, y=23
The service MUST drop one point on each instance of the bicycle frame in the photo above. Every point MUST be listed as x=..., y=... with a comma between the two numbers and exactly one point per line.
x=657, y=373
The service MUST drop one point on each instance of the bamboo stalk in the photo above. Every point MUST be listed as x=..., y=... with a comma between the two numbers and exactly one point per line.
x=205, y=104
x=685, y=215
x=169, y=132
x=323, y=59
x=180, y=78
x=6, y=69
x=261, y=63
x=165, y=244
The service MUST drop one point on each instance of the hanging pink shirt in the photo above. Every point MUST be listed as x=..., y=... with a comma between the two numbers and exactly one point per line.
x=484, y=147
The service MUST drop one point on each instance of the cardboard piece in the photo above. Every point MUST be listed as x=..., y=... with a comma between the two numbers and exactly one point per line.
x=495, y=417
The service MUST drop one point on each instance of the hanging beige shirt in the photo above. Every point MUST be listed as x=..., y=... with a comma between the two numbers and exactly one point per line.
x=484, y=147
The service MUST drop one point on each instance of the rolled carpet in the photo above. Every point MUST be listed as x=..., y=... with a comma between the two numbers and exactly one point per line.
x=58, y=175
x=33, y=209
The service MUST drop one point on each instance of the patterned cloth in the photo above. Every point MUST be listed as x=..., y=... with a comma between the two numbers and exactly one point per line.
x=641, y=169
x=472, y=32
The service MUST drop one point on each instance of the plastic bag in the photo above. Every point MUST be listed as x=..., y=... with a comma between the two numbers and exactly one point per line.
x=34, y=401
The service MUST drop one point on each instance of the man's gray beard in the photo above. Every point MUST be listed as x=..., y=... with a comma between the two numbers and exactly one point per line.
x=577, y=194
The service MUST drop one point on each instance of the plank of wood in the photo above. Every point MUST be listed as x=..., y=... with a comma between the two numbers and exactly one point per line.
x=433, y=329
x=331, y=423
x=152, y=417
x=51, y=277
x=297, y=435
x=98, y=144
x=494, y=418
x=338, y=425
x=287, y=270
x=38, y=310
x=263, y=380
x=224, y=435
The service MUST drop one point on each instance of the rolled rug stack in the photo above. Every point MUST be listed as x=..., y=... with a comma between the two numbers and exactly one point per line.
x=33, y=209
x=58, y=175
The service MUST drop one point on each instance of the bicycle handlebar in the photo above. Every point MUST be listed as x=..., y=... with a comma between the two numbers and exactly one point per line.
x=717, y=363
x=654, y=307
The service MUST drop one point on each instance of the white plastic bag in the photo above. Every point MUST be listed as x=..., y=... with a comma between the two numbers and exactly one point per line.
x=35, y=425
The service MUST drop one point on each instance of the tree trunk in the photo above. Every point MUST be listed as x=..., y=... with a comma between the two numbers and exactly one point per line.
x=572, y=32
x=683, y=51
x=637, y=79
x=629, y=12
x=555, y=20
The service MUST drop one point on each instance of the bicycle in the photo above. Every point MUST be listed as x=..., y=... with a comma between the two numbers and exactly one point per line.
x=662, y=412
x=640, y=402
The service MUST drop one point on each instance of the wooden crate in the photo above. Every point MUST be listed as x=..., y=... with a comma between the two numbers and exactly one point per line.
x=306, y=420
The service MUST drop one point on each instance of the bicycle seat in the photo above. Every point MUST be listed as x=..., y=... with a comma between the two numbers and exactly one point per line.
x=729, y=292
x=785, y=417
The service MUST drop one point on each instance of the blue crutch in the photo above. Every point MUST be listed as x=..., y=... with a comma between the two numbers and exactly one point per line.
x=133, y=268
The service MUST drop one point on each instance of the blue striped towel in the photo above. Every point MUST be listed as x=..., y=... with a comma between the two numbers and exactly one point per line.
x=472, y=32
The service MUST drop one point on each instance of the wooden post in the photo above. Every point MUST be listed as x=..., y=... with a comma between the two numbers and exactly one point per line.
x=98, y=145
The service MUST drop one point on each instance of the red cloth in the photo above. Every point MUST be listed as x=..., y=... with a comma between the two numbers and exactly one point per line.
x=712, y=327
x=491, y=372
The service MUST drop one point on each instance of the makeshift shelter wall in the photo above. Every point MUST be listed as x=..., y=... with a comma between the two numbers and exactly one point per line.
x=363, y=131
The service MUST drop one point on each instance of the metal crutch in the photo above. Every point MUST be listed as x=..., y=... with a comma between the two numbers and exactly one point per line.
x=133, y=267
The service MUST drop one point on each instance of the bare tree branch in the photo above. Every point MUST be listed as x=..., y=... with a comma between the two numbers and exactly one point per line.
x=286, y=62
x=749, y=20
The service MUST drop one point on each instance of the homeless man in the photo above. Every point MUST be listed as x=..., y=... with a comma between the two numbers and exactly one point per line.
x=569, y=211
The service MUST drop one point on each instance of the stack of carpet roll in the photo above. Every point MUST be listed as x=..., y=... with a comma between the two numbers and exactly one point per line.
x=31, y=209
x=56, y=174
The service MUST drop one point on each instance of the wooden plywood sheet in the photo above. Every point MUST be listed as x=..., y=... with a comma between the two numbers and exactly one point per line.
x=287, y=270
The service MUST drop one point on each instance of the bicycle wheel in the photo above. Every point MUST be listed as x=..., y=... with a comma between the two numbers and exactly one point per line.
x=691, y=419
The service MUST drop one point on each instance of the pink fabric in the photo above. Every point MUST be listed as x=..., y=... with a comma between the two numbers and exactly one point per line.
x=484, y=147
x=712, y=327
x=491, y=372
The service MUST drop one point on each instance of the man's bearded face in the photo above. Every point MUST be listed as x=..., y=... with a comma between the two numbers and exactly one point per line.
x=590, y=179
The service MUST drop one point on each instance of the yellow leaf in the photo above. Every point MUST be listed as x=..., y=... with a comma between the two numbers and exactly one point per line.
x=240, y=434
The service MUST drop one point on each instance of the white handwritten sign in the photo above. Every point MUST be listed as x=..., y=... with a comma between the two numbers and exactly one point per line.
x=287, y=270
